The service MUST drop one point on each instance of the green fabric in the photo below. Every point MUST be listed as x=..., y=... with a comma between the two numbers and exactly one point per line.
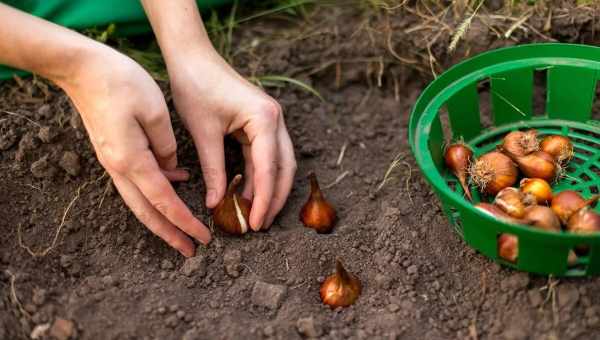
x=128, y=15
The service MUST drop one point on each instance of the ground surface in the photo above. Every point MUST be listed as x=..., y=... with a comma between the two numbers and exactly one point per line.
x=115, y=280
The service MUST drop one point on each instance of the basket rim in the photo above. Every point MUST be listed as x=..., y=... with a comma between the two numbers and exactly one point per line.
x=464, y=72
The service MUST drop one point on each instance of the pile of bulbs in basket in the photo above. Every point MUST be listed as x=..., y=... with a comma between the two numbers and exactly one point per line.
x=541, y=162
x=231, y=215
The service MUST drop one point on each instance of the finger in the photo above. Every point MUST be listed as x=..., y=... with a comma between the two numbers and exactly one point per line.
x=151, y=218
x=264, y=158
x=211, y=152
x=248, y=191
x=285, y=175
x=157, y=127
x=176, y=175
x=146, y=175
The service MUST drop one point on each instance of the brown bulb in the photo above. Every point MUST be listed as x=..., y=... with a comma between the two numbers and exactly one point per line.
x=568, y=202
x=538, y=188
x=499, y=214
x=458, y=159
x=520, y=143
x=538, y=164
x=493, y=172
x=317, y=213
x=232, y=214
x=584, y=221
x=542, y=218
x=508, y=247
x=559, y=147
x=340, y=289
x=513, y=202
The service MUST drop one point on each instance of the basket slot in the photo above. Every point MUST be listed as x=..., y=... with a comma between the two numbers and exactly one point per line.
x=463, y=110
x=593, y=267
x=512, y=94
x=571, y=92
x=436, y=143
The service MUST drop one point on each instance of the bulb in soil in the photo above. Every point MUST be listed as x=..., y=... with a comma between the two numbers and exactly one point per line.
x=520, y=143
x=340, y=289
x=493, y=172
x=513, y=202
x=458, y=159
x=317, y=213
x=568, y=202
x=232, y=214
x=559, y=147
x=538, y=188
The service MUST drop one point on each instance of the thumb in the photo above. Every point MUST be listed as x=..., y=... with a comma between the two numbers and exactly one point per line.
x=212, y=159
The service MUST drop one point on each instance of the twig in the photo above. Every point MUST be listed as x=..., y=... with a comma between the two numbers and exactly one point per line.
x=342, y=153
x=408, y=178
x=22, y=116
x=13, y=294
x=58, y=230
x=338, y=179
x=516, y=25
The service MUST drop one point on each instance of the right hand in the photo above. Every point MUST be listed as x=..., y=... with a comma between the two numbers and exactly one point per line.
x=128, y=122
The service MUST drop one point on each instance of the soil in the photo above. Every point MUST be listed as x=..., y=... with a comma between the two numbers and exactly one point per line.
x=107, y=277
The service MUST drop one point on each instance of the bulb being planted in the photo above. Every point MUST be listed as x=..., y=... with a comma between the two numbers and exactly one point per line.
x=340, y=289
x=317, y=213
x=232, y=213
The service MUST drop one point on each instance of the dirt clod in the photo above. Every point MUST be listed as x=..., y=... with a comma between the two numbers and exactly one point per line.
x=47, y=134
x=166, y=265
x=194, y=266
x=70, y=163
x=232, y=261
x=268, y=295
x=308, y=327
x=43, y=168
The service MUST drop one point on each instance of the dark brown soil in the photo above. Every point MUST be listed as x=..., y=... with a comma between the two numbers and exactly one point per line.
x=115, y=280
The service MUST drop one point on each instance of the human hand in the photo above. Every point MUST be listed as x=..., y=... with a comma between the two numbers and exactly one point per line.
x=127, y=119
x=213, y=100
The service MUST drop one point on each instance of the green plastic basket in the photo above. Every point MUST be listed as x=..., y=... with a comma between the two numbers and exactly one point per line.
x=572, y=73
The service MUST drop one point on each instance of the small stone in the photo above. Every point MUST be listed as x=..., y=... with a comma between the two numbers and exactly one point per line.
x=39, y=331
x=109, y=281
x=161, y=310
x=39, y=296
x=70, y=163
x=180, y=314
x=194, y=266
x=166, y=265
x=47, y=134
x=62, y=329
x=268, y=295
x=392, y=307
x=269, y=330
x=232, y=260
x=308, y=327
x=42, y=168
x=412, y=269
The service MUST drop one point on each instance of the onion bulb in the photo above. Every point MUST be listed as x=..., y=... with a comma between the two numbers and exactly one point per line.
x=458, y=158
x=584, y=221
x=340, y=289
x=542, y=218
x=493, y=172
x=568, y=202
x=232, y=213
x=559, y=147
x=537, y=164
x=508, y=247
x=499, y=214
x=538, y=188
x=520, y=143
x=513, y=202
x=317, y=213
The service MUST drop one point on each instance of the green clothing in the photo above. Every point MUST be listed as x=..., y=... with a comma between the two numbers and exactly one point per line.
x=128, y=15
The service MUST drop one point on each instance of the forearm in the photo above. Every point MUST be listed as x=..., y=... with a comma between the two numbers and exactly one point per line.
x=39, y=46
x=178, y=28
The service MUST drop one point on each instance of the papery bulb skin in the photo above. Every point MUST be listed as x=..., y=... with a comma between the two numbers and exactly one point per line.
x=232, y=214
x=559, y=147
x=317, y=213
x=585, y=221
x=495, y=211
x=539, y=188
x=340, y=289
x=542, y=218
x=493, y=172
x=513, y=202
x=508, y=247
x=520, y=143
x=568, y=202
x=458, y=159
